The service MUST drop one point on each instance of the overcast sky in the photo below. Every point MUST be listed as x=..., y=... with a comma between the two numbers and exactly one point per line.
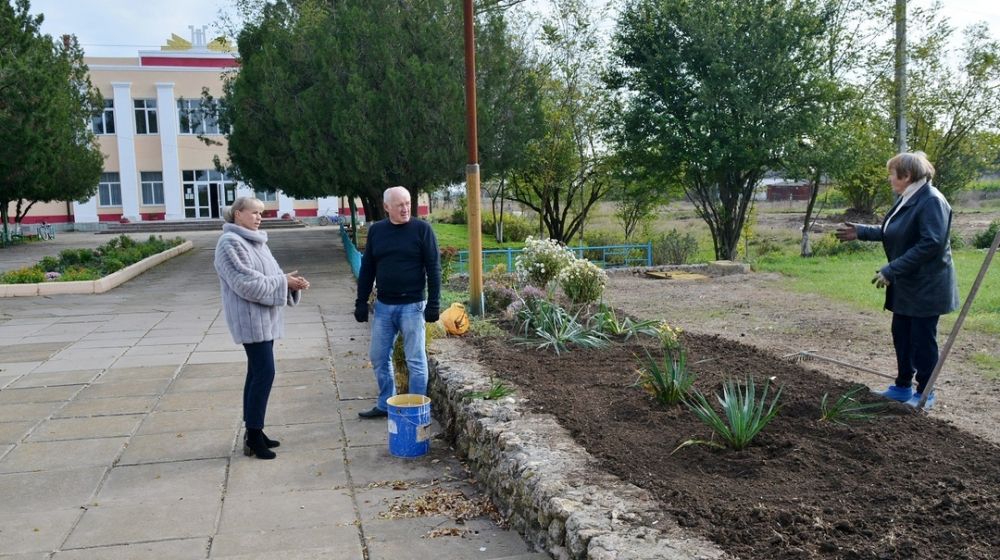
x=123, y=27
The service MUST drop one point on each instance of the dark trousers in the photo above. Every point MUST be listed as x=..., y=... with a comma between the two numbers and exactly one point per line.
x=915, y=339
x=257, y=388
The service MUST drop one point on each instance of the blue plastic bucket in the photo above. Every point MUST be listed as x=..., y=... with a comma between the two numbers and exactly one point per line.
x=409, y=425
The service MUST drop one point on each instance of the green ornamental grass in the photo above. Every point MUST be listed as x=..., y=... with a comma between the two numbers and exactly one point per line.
x=668, y=382
x=744, y=415
x=848, y=408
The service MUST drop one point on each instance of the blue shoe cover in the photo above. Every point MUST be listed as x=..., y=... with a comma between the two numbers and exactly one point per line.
x=915, y=401
x=901, y=394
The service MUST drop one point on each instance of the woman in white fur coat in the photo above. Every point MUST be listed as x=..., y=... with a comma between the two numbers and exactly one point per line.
x=254, y=293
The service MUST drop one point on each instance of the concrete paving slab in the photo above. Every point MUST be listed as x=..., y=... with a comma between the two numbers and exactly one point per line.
x=294, y=470
x=289, y=379
x=35, y=531
x=127, y=388
x=55, y=379
x=159, y=422
x=16, y=412
x=327, y=543
x=32, y=352
x=374, y=464
x=180, y=549
x=290, y=365
x=180, y=446
x=38, y=394
x=245, y=513
x=412, y=538
x=301, y=412
x=74, y=365
x=201, y=384
x=214, y=370
x=105, y=407
x=8, y=380
x=155, y=338
x=16, y=368
x=305, y=437
x=151, y=350
x=59, y=455
x=74, y=353
x=86, y=428
x=12, y=432
x=358, y=390
x=49, y=491
x=164, y=483
x=149, y=360
x=199, y=357
x=132, y=373
x=117, y=524
x=201, y=400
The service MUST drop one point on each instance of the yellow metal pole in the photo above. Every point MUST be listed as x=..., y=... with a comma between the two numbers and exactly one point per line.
x=472, y=169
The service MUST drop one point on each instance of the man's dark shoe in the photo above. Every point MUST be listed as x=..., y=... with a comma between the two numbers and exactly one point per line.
x=375, y=412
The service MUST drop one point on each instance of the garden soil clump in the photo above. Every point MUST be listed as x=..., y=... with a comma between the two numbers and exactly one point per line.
x=903, y=486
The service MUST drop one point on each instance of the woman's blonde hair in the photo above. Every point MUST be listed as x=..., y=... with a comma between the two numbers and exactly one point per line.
x=914, y=165
x=241, y=203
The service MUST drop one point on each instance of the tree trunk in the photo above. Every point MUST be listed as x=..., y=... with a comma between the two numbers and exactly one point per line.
x=806, y=248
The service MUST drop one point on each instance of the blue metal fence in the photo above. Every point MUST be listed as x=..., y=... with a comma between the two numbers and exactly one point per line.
x=604, y=256
x=353, y=255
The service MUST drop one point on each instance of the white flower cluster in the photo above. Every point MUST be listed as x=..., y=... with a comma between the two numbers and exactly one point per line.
x=542, y=259
x=583, y=281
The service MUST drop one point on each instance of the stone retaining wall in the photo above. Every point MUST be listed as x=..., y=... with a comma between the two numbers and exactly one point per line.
x=548, y=487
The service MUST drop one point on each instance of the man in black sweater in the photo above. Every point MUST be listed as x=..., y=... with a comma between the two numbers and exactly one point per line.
x=401, y=257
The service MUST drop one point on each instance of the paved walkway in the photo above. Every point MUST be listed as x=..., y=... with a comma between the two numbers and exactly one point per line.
x=120, y=432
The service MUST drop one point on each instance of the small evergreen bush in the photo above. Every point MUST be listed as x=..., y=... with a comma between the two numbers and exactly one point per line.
x=984, y=239
x=26, y=275
x=674, y=248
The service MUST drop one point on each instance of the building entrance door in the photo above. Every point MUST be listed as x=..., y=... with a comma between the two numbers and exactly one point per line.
x=207, y=193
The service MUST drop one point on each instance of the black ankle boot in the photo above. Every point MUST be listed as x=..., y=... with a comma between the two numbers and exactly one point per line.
x=255, y=445
x=271, y=443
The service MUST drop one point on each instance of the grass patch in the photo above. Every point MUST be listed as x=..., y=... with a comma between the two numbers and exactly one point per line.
x=847, y=278
x=989, y=365
x=457, y=235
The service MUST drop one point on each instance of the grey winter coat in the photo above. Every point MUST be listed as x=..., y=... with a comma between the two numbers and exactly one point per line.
x=920, y=272
x=254, y=288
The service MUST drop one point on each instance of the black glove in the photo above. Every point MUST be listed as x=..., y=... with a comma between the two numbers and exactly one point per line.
x=361, y=312
x=432, y=314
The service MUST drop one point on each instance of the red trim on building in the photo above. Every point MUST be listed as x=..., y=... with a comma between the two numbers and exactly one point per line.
x=153, y=216
x=54, y=219
x=109, y=217
x=306, y=212
x=188, y=62
x=269, y=214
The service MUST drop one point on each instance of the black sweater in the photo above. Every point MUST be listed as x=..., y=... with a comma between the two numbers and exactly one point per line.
x=402, y=259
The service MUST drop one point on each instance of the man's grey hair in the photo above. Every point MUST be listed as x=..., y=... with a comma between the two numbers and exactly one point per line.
x=387, y=195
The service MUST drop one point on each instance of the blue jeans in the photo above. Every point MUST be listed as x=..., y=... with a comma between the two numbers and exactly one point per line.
x=260, y=377
x=406, y=319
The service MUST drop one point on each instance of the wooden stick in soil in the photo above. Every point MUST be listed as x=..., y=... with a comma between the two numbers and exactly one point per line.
x=958, y=322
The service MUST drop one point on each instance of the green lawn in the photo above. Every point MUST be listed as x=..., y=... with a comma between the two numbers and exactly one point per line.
x=847, y=278
x=457, y=235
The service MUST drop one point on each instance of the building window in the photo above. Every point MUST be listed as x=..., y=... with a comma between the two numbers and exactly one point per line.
x=196, y=118
x=105, y=122
x=266, y=196
x=152, y=188
x=145, y=116
x=109, y=190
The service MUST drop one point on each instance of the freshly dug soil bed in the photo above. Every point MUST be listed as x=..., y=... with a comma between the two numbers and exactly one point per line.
x=904, y=486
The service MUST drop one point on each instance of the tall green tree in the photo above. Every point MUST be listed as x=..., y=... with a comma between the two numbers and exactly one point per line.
x=717, y=93
x=567, y=171
x=348, y=97
x=47, y=150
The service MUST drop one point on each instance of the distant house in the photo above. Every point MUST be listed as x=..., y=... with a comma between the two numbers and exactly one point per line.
x=776, y=188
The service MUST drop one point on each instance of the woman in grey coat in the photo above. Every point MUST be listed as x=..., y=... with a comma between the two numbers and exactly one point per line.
x=920, y=277
x=254, y=294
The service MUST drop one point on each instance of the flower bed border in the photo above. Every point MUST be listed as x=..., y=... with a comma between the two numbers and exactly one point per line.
x=546, y=485
x=98, y=286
